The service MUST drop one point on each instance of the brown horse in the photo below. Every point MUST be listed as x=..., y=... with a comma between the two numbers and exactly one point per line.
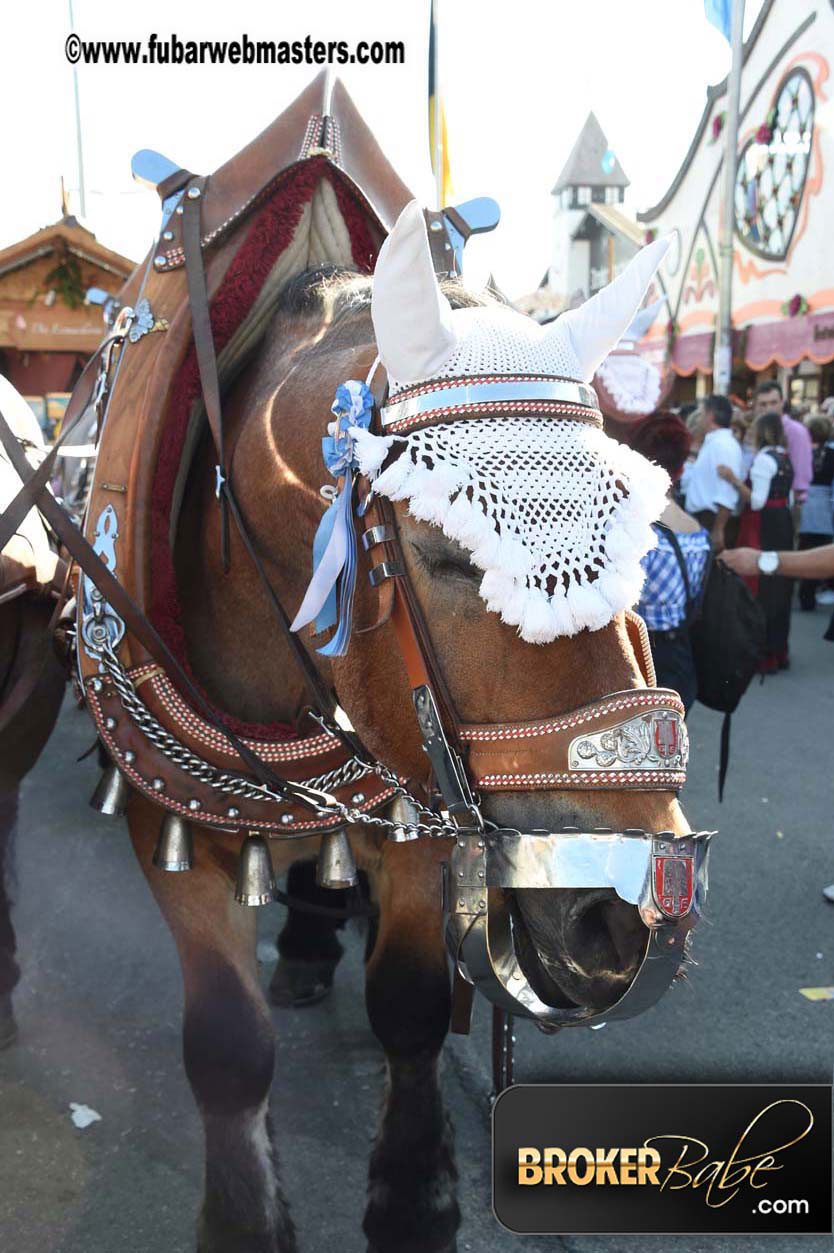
x=31, y=677
x=27, y=655
x=577, y=947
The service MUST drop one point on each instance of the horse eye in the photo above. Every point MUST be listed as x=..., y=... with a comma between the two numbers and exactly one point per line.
x=446, y=563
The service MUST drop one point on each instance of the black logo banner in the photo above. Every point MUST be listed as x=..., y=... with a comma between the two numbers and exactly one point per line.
x=668, y=1159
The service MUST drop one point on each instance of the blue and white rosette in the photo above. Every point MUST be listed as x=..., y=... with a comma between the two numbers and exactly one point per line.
x=334, y=547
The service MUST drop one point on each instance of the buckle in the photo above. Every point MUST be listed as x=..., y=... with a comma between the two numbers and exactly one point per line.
x=447, y=766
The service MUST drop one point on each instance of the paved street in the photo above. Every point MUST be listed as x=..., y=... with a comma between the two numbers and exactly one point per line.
x=99, y=1008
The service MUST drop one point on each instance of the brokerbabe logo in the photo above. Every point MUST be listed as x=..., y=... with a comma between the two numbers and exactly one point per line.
x=663, y=1159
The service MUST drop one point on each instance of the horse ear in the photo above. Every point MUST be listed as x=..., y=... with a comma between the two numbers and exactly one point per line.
x=643, y=319
x=412, y=318
x=595, y=327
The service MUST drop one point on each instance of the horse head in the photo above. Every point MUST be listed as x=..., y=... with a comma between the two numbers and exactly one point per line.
x=521, y=528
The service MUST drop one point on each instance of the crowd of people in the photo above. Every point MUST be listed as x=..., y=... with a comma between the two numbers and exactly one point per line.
x=754, y=488
x=757, y=478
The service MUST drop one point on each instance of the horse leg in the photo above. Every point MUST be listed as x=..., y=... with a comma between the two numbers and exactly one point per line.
x=308, y=947
x=412, y=1196
x=228, y=1042
x=9, y=969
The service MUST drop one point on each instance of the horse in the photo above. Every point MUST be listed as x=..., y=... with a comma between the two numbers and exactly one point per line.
x=578, y=947
x=32, y=678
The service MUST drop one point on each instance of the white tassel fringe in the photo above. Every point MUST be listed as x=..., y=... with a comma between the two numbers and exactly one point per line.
x=439, y=496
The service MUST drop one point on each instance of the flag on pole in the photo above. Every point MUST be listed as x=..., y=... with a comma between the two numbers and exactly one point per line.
x=720, y=14
x=438, y=139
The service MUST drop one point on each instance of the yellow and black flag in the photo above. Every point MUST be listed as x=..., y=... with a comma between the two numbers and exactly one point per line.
x=438, y=141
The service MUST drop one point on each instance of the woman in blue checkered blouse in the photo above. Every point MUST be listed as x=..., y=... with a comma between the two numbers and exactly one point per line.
x=664, y=603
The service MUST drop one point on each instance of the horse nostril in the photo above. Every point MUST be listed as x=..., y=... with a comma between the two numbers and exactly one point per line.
x=606, y=932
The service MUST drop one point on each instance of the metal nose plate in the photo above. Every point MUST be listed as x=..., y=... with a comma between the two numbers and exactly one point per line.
x=580, y=860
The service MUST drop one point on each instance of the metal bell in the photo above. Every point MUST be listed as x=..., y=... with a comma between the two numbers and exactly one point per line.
x=255, y=876
x=405, y=814
x=336, y=867
x=112, y=791
x=175, y=846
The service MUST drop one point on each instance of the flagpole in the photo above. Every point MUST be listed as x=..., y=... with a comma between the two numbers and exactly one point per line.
x=723, y=360
x=437, y=120
x=82, y=197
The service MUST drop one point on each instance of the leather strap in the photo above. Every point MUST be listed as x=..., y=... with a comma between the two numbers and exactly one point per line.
x=136, y=622
x=323, y=697
x=209, y=379
x=34, y=483
x=634, y=739
x=411, y=629
x=204, y=344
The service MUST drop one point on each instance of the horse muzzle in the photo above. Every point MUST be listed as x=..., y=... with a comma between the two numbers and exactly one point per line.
x=663, y=875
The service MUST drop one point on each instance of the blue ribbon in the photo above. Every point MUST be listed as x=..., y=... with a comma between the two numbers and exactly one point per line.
x=334, y=546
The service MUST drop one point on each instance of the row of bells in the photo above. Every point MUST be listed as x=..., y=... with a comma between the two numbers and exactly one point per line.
x=255, y=877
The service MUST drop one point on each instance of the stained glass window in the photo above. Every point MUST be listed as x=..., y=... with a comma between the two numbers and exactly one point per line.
x=772, y=167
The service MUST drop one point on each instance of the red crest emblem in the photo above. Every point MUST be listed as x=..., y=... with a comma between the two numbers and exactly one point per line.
x=666, y=737
x=673, y=875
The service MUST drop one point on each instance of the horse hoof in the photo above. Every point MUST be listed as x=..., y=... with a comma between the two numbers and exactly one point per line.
x=296, y=984
x=8, y=1026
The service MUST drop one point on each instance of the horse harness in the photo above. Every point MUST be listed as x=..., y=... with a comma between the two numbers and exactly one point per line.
x=628, y=740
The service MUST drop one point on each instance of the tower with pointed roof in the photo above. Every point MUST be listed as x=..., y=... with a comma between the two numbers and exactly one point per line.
x=591, y=178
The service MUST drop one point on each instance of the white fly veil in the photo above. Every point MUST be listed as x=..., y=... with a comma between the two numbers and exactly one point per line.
x=556, y=515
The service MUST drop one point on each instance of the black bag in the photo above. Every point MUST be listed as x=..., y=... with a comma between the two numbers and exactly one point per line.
x=727, y=628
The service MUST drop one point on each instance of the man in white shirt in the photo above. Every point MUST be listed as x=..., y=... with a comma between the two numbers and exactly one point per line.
x=709, y=497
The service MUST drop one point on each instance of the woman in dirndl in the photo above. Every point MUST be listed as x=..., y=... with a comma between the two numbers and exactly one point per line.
x=815, y=521
x=766, y=524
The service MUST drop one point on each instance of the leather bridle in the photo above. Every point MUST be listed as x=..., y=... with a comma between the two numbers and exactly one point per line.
x=631, y=740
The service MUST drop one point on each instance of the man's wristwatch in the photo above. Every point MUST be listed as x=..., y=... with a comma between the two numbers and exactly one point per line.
x=768, y=563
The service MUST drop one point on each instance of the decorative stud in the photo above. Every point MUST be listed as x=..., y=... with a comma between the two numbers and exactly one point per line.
x=110, y=796
x=179, y=210
x=193, y=193
x=110, y=723
x=168, y=235
x=175, y=846
x=97, y=685
x=336, y=867
x=130, y=757
x=286, y=819
x=193, y=804
x=255, y=876
x=159, y=262
x=358, y=798
x=233, y=811
x=158, y=785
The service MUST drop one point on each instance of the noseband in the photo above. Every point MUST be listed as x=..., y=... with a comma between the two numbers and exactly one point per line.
x=631, y=740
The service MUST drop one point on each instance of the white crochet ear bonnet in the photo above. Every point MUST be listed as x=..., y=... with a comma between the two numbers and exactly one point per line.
x=632, y=382
x=500, y=445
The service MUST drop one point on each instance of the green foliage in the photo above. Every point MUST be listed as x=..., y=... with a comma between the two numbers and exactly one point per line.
x=67, y=281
